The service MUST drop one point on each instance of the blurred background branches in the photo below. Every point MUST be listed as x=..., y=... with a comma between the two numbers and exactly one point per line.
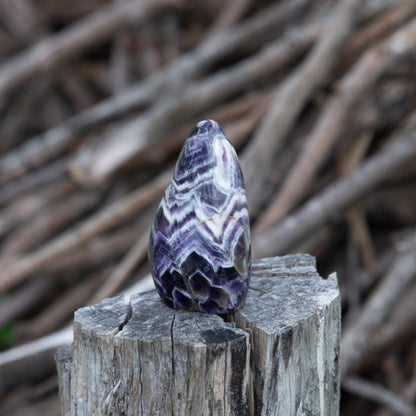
x=96, y=100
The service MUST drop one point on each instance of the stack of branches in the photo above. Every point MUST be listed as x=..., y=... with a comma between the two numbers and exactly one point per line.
x=96, y=99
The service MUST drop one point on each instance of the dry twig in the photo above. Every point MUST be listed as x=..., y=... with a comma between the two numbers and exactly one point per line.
x=350, y=90
x=45, y=56
x=61, y=310
x=99, y=223
x=96, y=252
x=390, y=21
x=122, y=272
x=49, y=173
x=356, y=339
x=103, y=158
x=26, y=298
x=291, y=98
x=378, y=394
x=53, y=142
x=338, y=196
x=48, y=224
x=355, y=214
x=161, y=87
x=37, y=358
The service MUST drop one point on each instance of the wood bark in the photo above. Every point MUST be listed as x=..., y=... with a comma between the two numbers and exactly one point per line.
x=276, y=356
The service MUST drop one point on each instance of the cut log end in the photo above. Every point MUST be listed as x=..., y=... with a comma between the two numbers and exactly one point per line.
x=277, y=355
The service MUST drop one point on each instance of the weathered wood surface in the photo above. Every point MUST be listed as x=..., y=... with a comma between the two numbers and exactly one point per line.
x=63, y=365
x=293, y=316
x=276, y=356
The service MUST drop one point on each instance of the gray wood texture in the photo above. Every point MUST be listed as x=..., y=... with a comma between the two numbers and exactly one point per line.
x=63, y=359
x=276, y=356
x=293, y=316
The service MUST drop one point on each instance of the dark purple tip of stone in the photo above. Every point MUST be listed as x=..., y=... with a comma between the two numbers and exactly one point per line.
x=199, y=247
x=207, y=128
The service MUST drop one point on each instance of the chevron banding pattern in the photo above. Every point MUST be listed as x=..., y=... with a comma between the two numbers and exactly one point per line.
x=199, y=248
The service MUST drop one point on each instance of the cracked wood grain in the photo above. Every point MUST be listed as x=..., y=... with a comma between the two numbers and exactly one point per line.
x=276, y=356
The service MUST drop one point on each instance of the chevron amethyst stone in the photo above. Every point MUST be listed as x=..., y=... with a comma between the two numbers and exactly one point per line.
x=199, y=248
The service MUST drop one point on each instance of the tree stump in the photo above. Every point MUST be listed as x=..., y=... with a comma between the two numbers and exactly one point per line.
x=276, y=356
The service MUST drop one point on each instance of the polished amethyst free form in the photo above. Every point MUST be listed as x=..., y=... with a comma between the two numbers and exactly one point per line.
x=199, y=248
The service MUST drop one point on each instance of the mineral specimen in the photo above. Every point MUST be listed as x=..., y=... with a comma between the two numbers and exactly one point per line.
x=199, y=248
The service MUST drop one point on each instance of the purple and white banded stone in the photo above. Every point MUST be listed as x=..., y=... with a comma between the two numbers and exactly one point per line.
x=199, y=248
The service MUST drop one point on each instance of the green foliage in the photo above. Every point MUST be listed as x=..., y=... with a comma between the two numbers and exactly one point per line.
x=7, y=337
